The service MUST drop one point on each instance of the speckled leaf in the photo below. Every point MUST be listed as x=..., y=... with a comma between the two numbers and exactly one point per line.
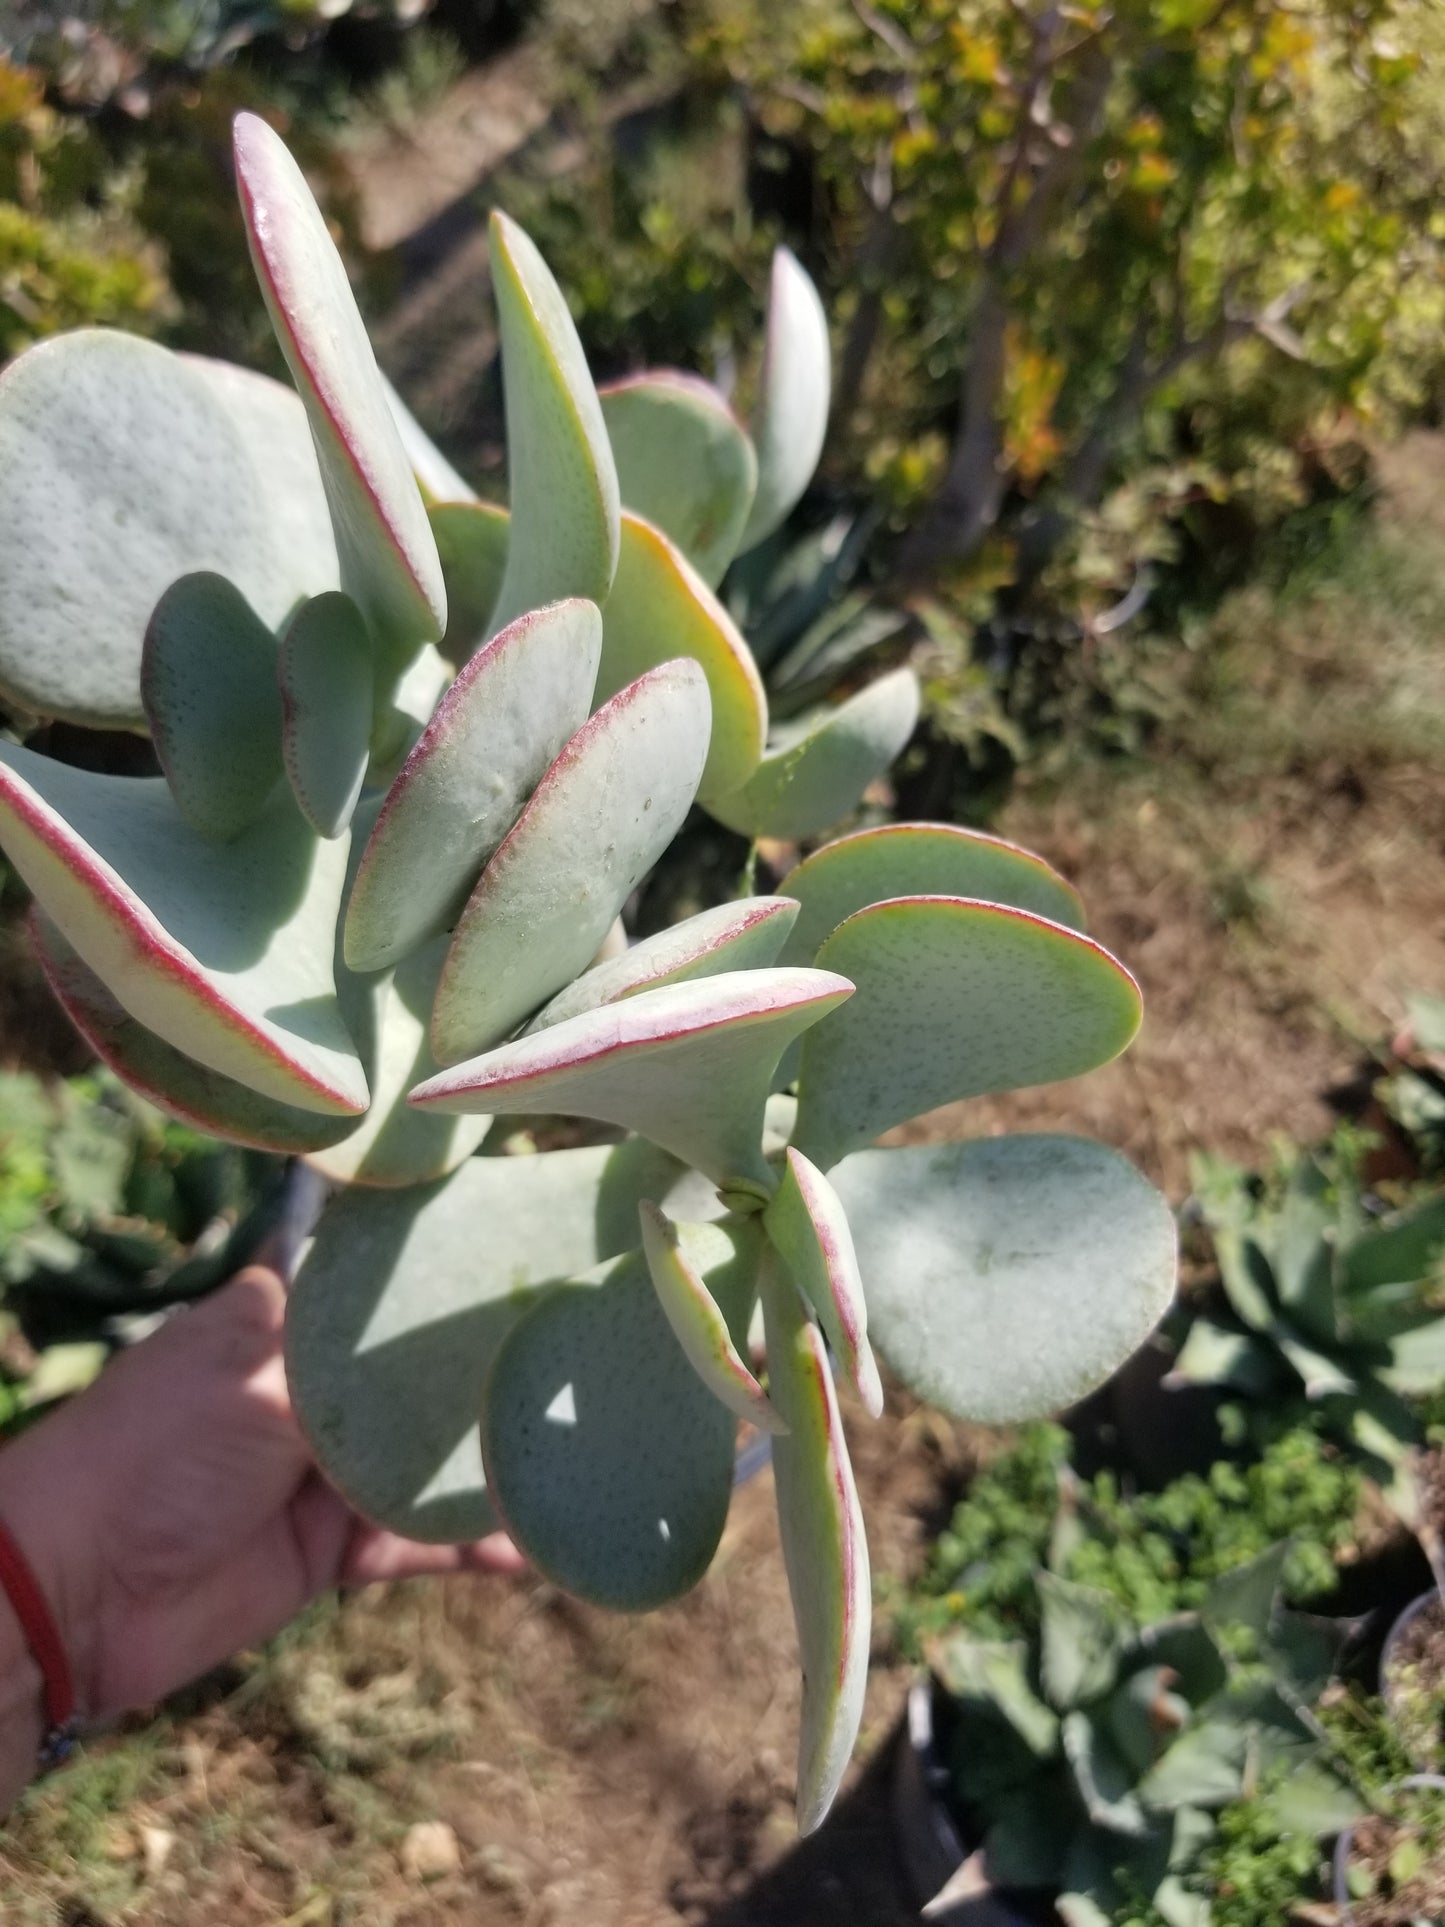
x=389, y=563
x=955, y=999
x=166, y=1076
x=437, y=479
x=809, y=1229
x=471, y=540
x=790, y=422
x=560, y=474
x=659, y=608
x=325, y=671
x=824, y=1548
x=608, y=1458
x=918, y=859
x=1007, y=1277
x=687, y=1065
x=208, y=685
x=684, y=463
x=123, y=467
x=222, y=949
x=394, y=1143
x=597, y=822
x=698, y=1323
x=405, y=1296
x=744, y=935
x=496, y=732
x=816, y=770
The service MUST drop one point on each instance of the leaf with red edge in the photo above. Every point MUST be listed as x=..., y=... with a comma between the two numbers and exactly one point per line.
x=389, y=562
x=955, y=999
x=808, y=1228
x=599, y=819
x=824, y=1548
x=222, y=949
x=698, y=1323
x=496, y=732
x=687, y=1065
x=471, y=540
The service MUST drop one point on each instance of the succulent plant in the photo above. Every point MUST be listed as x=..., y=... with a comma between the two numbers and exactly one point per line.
x=370, y=906
x=1094, y=1757
x=1325, y=1301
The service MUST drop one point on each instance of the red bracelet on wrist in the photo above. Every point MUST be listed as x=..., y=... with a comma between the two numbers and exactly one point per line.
x=42, y=1635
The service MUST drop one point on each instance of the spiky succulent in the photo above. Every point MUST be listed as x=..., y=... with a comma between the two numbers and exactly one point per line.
x=1094, y=1758
x=355, y=919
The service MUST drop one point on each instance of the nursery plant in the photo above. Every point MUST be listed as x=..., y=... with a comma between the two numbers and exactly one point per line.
x=1325, y=1303
x=412, y=767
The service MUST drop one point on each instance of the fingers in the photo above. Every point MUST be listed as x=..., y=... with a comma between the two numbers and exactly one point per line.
x=374, y=1554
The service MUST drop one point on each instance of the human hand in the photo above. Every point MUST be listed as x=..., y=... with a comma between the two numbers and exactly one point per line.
x=173, y=1512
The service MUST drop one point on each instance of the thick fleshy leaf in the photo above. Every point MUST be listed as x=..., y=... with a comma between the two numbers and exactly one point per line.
x=816, y=770
x=166, y=1076
x=745, y=935
x=208, y=684
x=1009, y=1276
x=955, y=999
x=809, y=1228
x=561, y=477
x=597, y=822
x=660, y=608
x=438, y=480
x=915, y=860
x=471, y=540
x=403, y=714
x=222, y=949
x=325, y=672
x=824, y=1548
x=608, y=1458
x=122, y=468
x=394, y=1143
x=698, y=1323
x=496, y=732
x=405, y=1296
x=684, y=463
x=687, y=1065
x=389, y=563
x=790, y=422
x=1083, y=1635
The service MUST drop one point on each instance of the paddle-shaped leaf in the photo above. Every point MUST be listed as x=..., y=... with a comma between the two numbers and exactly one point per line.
x=471, y=540
x=389, y=563
x=221, y=949
x=166, y=1076
x=208, y=685
x=745, y=935
x=659, y=608
x=684, y=463
x=807, y=1225
x=404, y=1298
x=816, y=770
x=954, y=999
x=497, y=730
x=325, y=671
x=438, y=480
x=824, y=1548
x=917, y=860
x=698, y=1323
x=122, y=468
x=561, y=477
x=791, y=418
x=645, y=1062
x=597, y=822
x=1007, y=1277
x=608, y=1458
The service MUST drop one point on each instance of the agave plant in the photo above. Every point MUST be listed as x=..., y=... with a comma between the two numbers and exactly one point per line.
x=357, y=918
x=1325, y=1302
x=1094, y=1758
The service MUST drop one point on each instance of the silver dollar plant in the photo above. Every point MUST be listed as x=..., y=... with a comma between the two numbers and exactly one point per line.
x=357, y=917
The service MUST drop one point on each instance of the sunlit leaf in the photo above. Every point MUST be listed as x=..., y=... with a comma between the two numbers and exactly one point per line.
x=791, y=419
x=698, y=1323
x=808, y=1226
x=684, y=463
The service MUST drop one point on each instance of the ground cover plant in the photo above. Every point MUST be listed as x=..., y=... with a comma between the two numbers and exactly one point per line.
x=355, y=918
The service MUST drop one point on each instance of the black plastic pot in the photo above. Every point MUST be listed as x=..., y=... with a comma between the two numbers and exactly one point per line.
x=1347, y=1840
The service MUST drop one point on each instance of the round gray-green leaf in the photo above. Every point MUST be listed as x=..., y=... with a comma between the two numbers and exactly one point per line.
x=1007, y=1277
x=791, y=420
x=325, y=669
x=684, y=463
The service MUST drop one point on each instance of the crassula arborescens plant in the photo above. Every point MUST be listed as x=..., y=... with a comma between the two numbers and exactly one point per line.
x=355, y=919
